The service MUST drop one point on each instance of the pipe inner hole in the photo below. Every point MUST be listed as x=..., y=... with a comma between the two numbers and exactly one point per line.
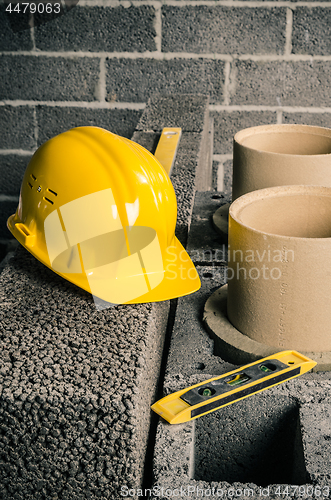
x=291, y=143
x=297, y=215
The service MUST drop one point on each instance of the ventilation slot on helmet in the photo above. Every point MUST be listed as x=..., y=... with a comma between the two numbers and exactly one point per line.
x=49, y=201
x=53, y=192
x=33, y=177
x=30, y=185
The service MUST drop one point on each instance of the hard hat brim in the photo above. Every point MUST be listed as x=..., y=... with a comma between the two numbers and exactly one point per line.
x=180, y=276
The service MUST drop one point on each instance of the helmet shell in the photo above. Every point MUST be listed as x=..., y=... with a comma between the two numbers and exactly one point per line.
x=100, y=211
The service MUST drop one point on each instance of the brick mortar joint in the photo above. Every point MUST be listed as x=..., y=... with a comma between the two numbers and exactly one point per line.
x=168, y=56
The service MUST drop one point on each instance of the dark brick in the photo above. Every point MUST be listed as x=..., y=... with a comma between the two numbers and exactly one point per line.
x=136, y=80
x=282, y=83
x=10, y=36
x=7, y=208
x=52, y=121
x=317, y=119
x=228, y=123
x=228, y=173
x=99, y=29
x=311, y=31
x=148, y=140
x=17, y=127
x=226, y=30
x=12, y=168
x=48, y=78
x=187, y=112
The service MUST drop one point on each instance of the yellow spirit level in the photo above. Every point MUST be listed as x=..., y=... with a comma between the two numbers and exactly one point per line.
x=208, y=396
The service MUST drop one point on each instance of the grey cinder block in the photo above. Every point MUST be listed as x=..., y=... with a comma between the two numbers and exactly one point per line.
x=228, y=123
x=78, y=384
x=317, y=119
x=54, y=79
x=102, y=29
x=12, y=168
x=223, y=30
x=14, y=33
x=287, y=83
x=135, y=80
x=174, y=110
x=7, y=208
x=17, y=128
x=311, y=31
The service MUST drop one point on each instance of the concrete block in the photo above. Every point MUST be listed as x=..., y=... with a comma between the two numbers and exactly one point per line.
x=74, y=79
x=223, y=30
x=311, y=31
x=318, y=119
x=54, y=120
x=287, y=83
x=316, y=432
x=99, y=29
x=77, y=387
x=7, y=208
x=228, y=123
x=148, y=140
x=204, y=244
x=228, y=173
x=17, y=128
x=135, y=80
x=175, y=110
x=12, y=168
x=10, y=36
x=237, y=451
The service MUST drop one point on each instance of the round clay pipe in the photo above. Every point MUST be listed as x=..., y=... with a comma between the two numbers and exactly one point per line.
x=280, y=155
x=279, y=277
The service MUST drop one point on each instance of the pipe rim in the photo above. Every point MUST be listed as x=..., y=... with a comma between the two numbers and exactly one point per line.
x=240, y=203
x=242, y=135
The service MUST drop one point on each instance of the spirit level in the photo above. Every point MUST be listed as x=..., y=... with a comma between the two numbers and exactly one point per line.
x=167, y=147
x=208, y=396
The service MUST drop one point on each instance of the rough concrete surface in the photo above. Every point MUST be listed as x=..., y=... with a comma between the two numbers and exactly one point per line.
x=227, y=124
x=12, y=168
x=76, y=387
x=21, y=120
x=204, y=244
x=73, y=79
x=120, y=29
x=277, y=83
x=222, y=29
x=135, y=80
x=8, y=207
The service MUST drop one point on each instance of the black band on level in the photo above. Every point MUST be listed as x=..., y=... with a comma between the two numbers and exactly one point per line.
x=245, y=392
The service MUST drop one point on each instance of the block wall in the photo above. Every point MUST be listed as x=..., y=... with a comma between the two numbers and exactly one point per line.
x=98, y=63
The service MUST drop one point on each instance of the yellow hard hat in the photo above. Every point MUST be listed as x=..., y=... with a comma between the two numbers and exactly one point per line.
x=100, y=211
